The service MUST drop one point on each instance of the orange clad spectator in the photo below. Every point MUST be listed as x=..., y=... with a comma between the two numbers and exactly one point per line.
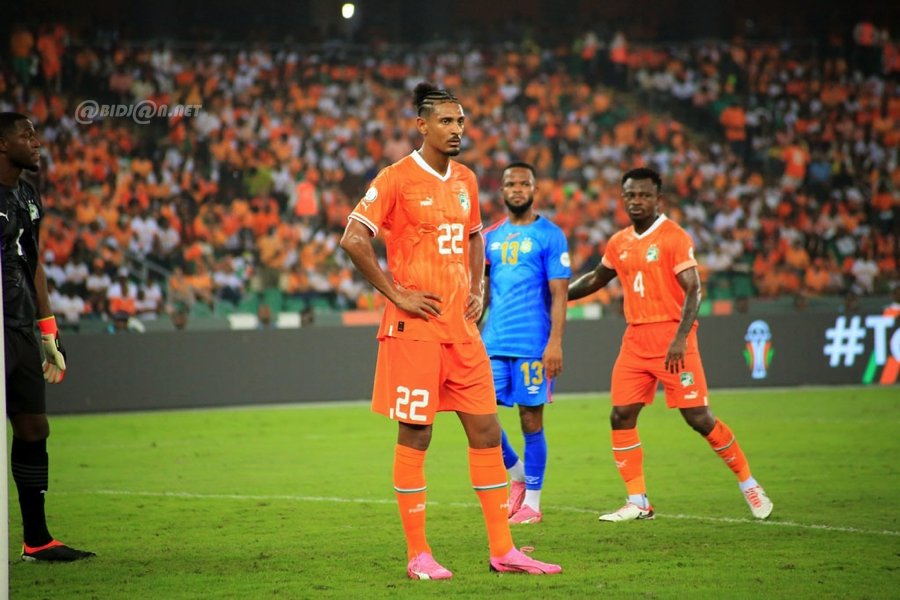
x=618, y=49
x=60, y=244
x=91, y=236
x=39, y=109
x=201, y=282
x=86, y=212
x=796, y=158
x=307, y=204
x=884, y=201
x=788, y=280
x=122, y=304
x=767, y=284
x=265, y=216
x=51, y=51
x=625, y=133
x=295, y=282
x=817, y=279
x=180, y=291
x=21, y=45
x=734, y=121
x=271, y=257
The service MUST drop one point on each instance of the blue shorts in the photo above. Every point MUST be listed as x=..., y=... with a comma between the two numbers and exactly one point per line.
x=520, y=381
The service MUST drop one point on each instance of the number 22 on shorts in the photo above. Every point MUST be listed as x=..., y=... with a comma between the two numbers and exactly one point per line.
x=407, y=402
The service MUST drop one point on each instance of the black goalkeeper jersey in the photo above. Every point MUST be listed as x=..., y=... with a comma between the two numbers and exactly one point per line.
x=20, y=217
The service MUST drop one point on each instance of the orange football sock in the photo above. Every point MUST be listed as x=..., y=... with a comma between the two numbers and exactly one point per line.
x=409, y=485
x=629, y=457
x=722, y=440
x=489, y=480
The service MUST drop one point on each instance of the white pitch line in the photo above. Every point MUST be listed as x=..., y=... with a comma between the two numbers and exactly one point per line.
x=573, y=509
x=786, y=524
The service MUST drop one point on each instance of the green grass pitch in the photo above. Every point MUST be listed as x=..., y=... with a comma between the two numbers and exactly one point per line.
x=296, y=502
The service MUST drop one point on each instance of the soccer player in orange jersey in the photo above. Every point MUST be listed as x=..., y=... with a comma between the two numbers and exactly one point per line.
x=654, y=261
x=430, y=355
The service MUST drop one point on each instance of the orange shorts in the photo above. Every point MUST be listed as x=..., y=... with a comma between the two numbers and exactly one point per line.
x=416, y=379
x=640, y=367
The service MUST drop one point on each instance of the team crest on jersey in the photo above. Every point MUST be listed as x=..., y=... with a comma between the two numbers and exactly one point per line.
x=464, y=199
x=33, y=211
x=525, y=246
x=653, y=253
x=687, y=378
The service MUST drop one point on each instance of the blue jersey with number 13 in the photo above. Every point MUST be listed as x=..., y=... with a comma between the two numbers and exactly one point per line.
x=521, y=260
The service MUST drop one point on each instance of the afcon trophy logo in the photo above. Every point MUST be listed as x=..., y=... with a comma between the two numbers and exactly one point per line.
x=759, y=352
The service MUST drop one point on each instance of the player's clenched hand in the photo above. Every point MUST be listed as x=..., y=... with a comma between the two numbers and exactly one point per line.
x=552, y=360
x=474, y=306
x=675, y=355
x=54, y=364
x=419, y=303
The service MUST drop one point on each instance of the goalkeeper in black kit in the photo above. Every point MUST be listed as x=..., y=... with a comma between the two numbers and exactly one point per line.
x=30, y=360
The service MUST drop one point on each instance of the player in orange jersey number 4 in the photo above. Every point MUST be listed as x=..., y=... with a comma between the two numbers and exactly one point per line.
x=430, y=355
x=654, y=261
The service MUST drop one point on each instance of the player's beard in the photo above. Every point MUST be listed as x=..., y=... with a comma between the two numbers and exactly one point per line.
x=455, y=151
x=519, y=209
x=26, y=165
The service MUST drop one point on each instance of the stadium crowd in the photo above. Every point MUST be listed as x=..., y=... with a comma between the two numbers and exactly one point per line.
x=782, y=158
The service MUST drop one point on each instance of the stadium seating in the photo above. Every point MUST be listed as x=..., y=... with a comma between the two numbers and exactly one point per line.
x=244, y=201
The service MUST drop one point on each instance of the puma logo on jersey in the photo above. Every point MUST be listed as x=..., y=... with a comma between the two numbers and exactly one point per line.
x=369, y=198
x=5, y=216
x=428, y=201
x=623, y=255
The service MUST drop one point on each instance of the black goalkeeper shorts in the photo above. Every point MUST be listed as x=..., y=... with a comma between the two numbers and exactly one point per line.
x=25, y=387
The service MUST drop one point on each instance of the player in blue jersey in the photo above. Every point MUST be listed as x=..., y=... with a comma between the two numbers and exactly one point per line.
x=527, y=275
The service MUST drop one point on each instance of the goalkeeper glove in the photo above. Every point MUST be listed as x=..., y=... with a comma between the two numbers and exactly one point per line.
x=54, y=356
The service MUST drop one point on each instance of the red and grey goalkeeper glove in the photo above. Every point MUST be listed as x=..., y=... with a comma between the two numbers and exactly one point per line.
x=54, y=356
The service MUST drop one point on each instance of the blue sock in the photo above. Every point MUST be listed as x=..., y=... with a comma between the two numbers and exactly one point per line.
x=510, y=457
x=535, y=460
